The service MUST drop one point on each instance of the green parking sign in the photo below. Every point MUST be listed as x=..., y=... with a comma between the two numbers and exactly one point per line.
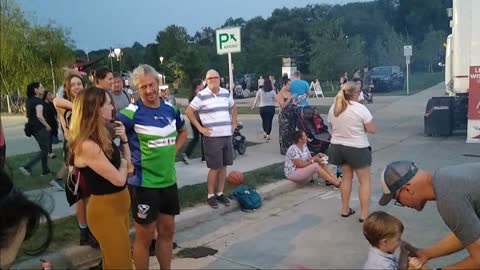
x=228, y=40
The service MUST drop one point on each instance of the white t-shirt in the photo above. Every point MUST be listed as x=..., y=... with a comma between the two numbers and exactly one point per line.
x=214, y=111
x=266, y=98
x=294, y=152
x=349, y=127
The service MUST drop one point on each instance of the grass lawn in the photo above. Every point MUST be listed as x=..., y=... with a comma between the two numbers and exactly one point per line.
x=66, y=231
x=36, y=181
x=418, y=81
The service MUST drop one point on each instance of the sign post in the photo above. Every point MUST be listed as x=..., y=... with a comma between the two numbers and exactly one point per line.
x=228, y=42
x=407, y=52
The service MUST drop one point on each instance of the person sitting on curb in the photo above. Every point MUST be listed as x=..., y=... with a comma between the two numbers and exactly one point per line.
x=300, y=165
x=457, y=194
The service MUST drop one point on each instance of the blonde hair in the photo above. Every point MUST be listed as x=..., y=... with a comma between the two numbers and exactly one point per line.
x=87, y=123
x=343, y=97
x=380, y=225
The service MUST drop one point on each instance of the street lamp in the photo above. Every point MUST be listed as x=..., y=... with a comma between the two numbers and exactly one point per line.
x=163, y=75
x=111, y=55
x=117, y=53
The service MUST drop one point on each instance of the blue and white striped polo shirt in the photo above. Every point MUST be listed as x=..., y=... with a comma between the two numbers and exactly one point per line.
x=214, y=111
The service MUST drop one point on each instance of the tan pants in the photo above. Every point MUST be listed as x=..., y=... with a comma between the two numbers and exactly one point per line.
x=107, y=217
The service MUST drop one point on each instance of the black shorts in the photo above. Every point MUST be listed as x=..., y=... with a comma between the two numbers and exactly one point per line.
x=357, y=158
x=218, y=151
x=147, y=203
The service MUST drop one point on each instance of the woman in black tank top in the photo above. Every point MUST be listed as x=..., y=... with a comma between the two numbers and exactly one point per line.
x=105, y=170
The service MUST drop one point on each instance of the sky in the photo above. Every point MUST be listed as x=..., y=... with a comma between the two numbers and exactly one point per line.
x=98, y=24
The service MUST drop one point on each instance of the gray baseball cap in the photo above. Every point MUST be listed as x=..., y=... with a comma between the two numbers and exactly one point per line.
x=394, y=176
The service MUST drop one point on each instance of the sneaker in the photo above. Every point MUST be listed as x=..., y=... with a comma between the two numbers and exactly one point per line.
x=84, y=235
x=268, y=137
x=57, y=183
x=92, y=241
x=185, y=158
x=25, y=171
x=212, y=202
x=51, y=155
x=47, y=173
x=223, y=200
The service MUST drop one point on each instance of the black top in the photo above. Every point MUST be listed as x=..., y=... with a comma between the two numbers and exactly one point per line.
x=50, y=115
x=33, y=121
x=98, y=185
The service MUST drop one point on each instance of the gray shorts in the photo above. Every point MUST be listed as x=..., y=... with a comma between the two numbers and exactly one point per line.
x=357, y=158
x=218, y=151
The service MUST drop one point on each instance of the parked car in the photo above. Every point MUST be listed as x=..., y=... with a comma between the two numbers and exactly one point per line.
x=387, y=78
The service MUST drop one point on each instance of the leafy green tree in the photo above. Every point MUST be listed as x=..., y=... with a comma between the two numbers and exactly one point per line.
x=430, y=49
x=30, y=53
x=333, y=52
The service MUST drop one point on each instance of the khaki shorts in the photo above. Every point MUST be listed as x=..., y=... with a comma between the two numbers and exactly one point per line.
x=218, y=151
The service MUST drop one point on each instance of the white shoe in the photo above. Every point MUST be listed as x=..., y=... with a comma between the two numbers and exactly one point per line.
x=185, y=158
x=56, y=183
x=52, y=155
x=25, y=171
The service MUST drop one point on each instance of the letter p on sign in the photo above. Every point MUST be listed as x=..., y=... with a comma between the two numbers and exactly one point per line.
x=228, y=40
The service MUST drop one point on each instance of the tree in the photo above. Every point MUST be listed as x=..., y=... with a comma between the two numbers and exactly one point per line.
x=430, y=49
x=174, y=38
x=30, y=53
x=333, y=52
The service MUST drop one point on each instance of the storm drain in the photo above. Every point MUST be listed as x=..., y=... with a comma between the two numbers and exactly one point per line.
x=196, y=252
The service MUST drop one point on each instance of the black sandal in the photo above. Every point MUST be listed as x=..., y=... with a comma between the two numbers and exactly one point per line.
x=350, y=212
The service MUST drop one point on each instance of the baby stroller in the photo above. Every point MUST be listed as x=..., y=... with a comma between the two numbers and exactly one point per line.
x=310, y=121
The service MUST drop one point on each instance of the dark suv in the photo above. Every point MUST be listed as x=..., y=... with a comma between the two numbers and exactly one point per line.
x=387, y=78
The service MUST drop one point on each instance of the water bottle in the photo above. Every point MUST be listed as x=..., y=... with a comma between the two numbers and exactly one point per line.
x=339, y=172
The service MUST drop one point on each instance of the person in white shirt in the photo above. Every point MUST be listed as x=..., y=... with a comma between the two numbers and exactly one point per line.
x=218, y=114
x=349, y=148
x=267, y=107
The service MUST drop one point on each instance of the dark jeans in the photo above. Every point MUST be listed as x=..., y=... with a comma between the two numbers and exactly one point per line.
x=43, y=138
x=267, y=113
x=196, y=137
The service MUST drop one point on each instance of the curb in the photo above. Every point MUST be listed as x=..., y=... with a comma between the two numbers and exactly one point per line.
x=81, y=257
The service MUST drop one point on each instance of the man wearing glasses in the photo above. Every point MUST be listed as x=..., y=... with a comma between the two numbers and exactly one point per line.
x=214, y=105
x=456, y=190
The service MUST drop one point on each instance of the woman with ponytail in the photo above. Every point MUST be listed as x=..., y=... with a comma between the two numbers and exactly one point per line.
x=349, y=148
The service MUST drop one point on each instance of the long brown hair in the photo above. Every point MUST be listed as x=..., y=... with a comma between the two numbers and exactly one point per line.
x=343, y=98
x=67, y=86
x=87, y=123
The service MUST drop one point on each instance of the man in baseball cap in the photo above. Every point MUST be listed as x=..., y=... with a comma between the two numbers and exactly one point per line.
x=456, y=190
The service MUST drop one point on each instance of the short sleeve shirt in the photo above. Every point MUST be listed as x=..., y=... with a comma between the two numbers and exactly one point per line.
x=214, y=111
x=294, y=152
x=152, y=134
x=300, y=87
x=349, y=127
x=457, y=193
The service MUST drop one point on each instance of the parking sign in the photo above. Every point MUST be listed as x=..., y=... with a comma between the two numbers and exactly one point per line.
x=228, y=40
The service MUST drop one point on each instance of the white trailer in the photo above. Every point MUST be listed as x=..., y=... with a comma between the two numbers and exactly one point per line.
x=462, y=67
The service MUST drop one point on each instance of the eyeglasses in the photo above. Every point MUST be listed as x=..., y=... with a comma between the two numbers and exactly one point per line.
x=397, y=202
x=212, y=78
